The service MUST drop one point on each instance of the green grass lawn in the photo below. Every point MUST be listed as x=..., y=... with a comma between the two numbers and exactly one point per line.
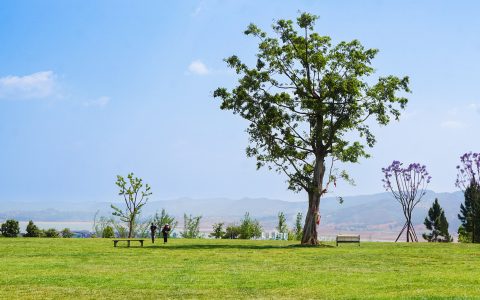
x=92, y=268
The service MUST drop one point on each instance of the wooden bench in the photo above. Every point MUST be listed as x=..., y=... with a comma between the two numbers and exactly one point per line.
x=115, y=242
x=345, y=238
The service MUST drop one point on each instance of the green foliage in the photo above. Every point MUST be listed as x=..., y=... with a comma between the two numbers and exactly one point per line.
x=463, y=235
x=100, y=223
x=191, y=227
x=298, y=230
x=108, y=232
x=282, y=223
x=32, y=230
x=162, y=219
x=309, y=102
x=437, y=223
x=66, y=233
x=303, y=97
x=10, y=228
x=135, y=196
x=249, y=228
x=470, y=212
x=217, y=230
x=232, y=232
x=51, y=233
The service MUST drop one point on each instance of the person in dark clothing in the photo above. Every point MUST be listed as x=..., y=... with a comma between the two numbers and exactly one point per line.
x=153, y=229
x=165, y=231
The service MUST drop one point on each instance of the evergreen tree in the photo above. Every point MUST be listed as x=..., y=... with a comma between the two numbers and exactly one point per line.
x=32, y=230
x=437, y=223
x=470, y=212
x=298, y=227
x=282, y=223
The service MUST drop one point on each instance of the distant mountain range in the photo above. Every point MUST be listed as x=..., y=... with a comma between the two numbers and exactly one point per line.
x=376, y=215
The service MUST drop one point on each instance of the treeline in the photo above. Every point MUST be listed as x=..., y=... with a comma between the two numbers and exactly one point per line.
x=250, y=228
x=11, y=228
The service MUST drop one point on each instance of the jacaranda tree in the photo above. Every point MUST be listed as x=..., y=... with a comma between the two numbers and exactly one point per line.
x=408, y=186
x=307, y=102
x=468, y=179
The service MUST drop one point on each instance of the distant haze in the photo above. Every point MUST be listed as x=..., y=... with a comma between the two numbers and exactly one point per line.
x=376, y=216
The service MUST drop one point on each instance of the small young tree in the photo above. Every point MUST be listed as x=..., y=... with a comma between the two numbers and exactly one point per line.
x=408, y=186
x=298, y=227
x=10, y=228
x=108, y=232
x=135, y=196
x=66, y=233
x=52, y=233
x=32, y=230
x=164, y=218
x=232, y=232
x=468, y=180
x=249, y=228
x=437, y=223
x=217, y=230
x=282, y=223
x=191, y=227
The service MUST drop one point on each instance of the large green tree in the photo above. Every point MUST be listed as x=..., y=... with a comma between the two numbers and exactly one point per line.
x=135, y=196
x=437, y=223
x=307, y=102
x=470, y=213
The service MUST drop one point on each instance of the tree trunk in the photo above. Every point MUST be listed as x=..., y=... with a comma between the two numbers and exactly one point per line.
x=130, y=229
x=310, y=235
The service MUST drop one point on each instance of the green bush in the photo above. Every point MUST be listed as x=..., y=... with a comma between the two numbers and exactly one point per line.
x=108, y=232
x=10, y=228
x=52, y=233
x=231, y=232
x=67, y=233
x=249, y=228
x=32, y=230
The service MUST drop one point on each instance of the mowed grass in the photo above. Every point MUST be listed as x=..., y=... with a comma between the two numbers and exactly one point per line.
x=33, y=268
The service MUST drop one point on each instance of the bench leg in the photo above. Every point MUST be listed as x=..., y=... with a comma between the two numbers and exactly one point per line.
x=128, y=242
x=115, y=243
x=141, y=243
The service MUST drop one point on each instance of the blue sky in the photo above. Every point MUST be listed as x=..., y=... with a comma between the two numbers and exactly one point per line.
x=92, y=89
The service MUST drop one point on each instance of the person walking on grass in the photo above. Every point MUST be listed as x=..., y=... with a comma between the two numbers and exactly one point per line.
x=165, y=231
x=153, y=229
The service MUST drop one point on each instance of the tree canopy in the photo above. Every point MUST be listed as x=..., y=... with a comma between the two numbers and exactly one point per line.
x=308, y=100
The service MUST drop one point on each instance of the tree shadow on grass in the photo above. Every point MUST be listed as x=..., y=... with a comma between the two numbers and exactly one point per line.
x=231, y=246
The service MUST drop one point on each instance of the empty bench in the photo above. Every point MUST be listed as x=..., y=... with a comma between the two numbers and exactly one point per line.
x=346, y=238
x=115, y=242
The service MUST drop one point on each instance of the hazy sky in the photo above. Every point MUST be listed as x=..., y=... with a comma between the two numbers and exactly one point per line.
x=92, y=89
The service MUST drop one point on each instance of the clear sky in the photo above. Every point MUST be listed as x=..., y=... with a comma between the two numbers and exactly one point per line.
x=92, y=89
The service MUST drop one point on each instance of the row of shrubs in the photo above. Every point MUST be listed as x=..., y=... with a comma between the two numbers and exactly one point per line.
x=11, y=228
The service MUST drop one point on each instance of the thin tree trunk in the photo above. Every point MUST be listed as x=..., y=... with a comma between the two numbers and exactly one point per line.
x=401, y=231
x=130, y=228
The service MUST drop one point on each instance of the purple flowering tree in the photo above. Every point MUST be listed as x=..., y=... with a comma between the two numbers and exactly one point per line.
x=468, y=170
x=408, y=186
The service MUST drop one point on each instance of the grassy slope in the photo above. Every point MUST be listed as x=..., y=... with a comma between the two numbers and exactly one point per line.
x=92, y=268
